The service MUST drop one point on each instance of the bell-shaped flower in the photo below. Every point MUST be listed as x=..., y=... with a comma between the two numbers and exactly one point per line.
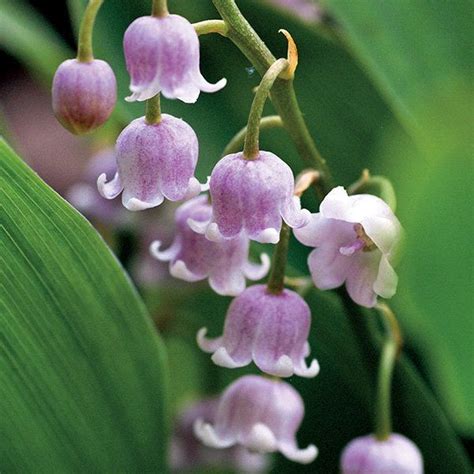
x=192, y=257
x=162, y=55
x=270, y=329
x=356, y=239
x=83, y=94
x=261, y=414
x=252, y=196
x=154, y=161
x=366, y=454
x=188, y=453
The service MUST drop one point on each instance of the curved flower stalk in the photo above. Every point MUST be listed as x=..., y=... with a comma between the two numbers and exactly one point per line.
x=188, y=453
x=155, y=161
x=192, y=257
x=366, y=454
x=356, y=239
x=162, y=55
x=252, y=196
x=261, y=414
x=270, y=329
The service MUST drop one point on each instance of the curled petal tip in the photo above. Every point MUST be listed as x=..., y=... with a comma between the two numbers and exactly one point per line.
x=194, y=188
x=197, y=226
x=268, y=236
x=134, y=204
x=111, y=189
x=310, y=371
x=206, y=86
x=181, y=271
x=258, y=271
x=261, y=439
x=284, y=367
x=206, y=344
x=206, y=433
x=222, y=358
x=303, y=456
x=212, y=233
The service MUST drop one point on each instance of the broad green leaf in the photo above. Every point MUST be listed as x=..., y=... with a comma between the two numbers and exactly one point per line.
x=82, y=370
x=29, y=38
x=416, y=52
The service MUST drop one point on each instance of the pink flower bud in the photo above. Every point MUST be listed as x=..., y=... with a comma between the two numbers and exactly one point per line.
x=252, y=196
x=162, y=55
x=192, y=257
x=84, y=94
x=154, y=161
x=368, y=455
x=261, y=414
x=356, y=239
x=271, y=329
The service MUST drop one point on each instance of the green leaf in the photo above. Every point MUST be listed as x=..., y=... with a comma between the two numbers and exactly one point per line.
x=29, y=38
x=417, y=53
x=82, y=369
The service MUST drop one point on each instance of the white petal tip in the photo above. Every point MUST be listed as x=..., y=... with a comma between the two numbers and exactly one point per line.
x=179, y=270
x=206, y=433
x=255, y=271
x=284, y=367
x=111, y=189
x=155, y=250
x=212, y=233
x=310, y=371
x=206, y=344
x=261, y=439
x=268, y=236
x=134, y=204
x=222, y=358
x=197, y=226
x=303, y=456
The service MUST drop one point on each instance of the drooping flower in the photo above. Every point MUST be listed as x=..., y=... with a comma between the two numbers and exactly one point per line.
x=356, y=239
x=154, y=161
x=367, y=455
x=261, y=414
x=162, y=55
x=187, y=452
x=272, y=329
x=84, y=94
x=252, y=196
x=192, y=257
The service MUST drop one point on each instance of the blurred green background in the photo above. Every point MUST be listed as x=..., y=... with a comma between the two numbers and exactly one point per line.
x=383, y=85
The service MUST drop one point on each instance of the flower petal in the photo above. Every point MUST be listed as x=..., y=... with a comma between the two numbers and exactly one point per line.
x=362, y=276
x=206, y=344
x=386, y=283
x=328, y=267
x=111, y=189
x=303, y=456
x=255, y=271
x=207, y=434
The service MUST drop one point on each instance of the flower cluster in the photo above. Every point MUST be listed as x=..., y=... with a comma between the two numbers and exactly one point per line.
x=251, y=198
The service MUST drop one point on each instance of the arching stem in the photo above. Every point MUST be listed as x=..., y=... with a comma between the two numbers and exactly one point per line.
x=390, y=351
x=84, y=47
x=211, y=26
x=237, y=142
x=251, y=143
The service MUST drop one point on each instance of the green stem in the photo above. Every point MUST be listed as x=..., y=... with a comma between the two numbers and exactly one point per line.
x=251, y=143
x=378, y=185
x=153, y=110
x=390, y=350
x=276, y=280
x=211, y=26
x=283, y=94
x=237, y=142
x=84, y=47
x=159, y=8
